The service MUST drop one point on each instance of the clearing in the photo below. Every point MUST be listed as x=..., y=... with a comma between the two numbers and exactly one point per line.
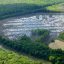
x=57, y=45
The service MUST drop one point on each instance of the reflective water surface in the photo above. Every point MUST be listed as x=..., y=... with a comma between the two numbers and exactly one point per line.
x=15, y=27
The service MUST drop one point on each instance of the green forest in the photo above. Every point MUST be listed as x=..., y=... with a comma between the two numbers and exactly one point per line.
x=37, y=49
x=11, y=8
x=10, y=57
x=34, y=49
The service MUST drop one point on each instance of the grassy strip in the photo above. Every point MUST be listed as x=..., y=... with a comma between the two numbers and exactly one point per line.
x=10, y=57
x=57, y=7
x=20, y=7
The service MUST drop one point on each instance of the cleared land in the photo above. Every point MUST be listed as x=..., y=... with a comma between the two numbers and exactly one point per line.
x=57, y=45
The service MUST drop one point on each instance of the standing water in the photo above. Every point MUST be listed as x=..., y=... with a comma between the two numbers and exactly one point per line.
x=15, y=27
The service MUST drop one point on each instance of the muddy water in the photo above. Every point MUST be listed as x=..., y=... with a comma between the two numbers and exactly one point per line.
x=15, y=27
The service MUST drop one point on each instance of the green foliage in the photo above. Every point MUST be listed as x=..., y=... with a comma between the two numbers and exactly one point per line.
x=27, y=46
x=61, y=36
x=40, y=35
x=31, y=1
x=57, y=7
x=10, y=57
x=9, y=8
x=36, y=49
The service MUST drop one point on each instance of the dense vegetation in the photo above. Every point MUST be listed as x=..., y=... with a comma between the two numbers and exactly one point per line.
x=40, y=35
x=61, y=36
x=36, y=49
x=27, y=45
x=10, y=57
x=57, y=7
x=9, y=8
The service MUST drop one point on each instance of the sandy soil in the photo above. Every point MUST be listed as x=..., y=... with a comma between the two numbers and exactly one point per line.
x=57, y=45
